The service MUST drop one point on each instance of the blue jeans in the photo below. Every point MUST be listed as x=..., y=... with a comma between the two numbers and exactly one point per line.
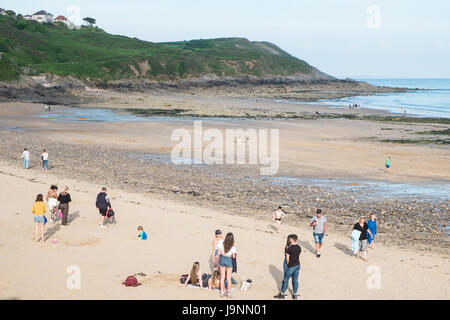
x=45, y=164
x=26, y=163
x=291, y=272
x=318, y=237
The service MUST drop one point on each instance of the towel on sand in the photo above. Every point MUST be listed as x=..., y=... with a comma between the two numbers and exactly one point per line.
x=355, y=240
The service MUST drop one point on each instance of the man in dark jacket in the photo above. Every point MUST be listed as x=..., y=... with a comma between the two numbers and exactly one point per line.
x=103, y=204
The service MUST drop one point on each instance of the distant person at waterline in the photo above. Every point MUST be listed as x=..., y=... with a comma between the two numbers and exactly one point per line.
x=277, y=216
x=319, y=224
x=44, y=158
x=387, y=164
x=26, y=158
x=103, y=204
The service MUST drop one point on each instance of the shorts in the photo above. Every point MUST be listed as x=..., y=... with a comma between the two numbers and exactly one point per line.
x=278, y=219
x=39, y=219
x=52, y=203
x=387, y=166
x=318, y=237
x=103, y=211
x=363, y=245
x=225, y=262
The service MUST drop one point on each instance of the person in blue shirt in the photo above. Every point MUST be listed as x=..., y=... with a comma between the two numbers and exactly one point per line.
x=142, y=235
x=372, y=223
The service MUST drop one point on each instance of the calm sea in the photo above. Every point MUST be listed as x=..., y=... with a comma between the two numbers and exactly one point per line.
x=432, y=101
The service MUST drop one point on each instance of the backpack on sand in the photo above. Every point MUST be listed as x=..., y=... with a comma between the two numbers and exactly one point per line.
x=131, y=281
x=110, y=216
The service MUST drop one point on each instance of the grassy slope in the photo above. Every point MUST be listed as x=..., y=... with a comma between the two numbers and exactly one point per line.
x=95, y=54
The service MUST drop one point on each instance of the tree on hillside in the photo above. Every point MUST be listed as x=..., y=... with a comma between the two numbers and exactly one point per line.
x=90, y=21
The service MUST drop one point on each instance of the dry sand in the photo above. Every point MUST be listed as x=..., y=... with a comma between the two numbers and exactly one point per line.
x=179, y=235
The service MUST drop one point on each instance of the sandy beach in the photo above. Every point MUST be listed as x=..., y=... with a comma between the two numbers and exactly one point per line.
x=107, y=256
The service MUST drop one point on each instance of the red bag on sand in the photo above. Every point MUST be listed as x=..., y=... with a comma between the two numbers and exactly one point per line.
x=131, y=281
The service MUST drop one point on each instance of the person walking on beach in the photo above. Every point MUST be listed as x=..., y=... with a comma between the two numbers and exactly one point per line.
x=292, y=254
x=44, y=158
x=372, y=224
x=319, y=224
x=362, y=226
x=52, y=201
x=103, y=204
x=38, y=211
x=216, y=257
x=277, y=216
x=387, y=164
x=64, y=199
x=226, y=251
x=26, y=158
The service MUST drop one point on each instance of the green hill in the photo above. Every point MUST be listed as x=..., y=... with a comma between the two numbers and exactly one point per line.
x=91, y=53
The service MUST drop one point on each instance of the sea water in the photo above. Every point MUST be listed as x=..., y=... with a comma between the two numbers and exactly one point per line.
x=426, y=98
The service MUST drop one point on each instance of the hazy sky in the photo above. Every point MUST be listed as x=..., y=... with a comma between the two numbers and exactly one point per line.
x=345, y=38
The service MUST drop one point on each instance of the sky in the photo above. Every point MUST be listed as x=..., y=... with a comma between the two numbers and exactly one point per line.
x=344, y=38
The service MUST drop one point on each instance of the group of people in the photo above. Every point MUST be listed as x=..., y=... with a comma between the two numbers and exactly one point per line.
x=224, y=265
x=363, y=236
x=59, y=203
x=354, y=106
x=26, y=159
x=54, y=201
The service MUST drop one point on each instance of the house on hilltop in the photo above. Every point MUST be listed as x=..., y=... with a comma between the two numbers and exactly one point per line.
x=2, y=12
x=42, y=16
x=63, y=20
x=27, y=17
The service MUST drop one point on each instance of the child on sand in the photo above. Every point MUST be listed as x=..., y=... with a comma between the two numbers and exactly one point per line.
x=372, y=223
x=277, y=216
x=39, y=218
x=142, y=235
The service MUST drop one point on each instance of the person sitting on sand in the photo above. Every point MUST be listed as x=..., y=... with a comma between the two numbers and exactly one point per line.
x=52, y=201
x=103, y=204
x=362, y=226
x=214, y=281
x=277, y=216
x=372, y=224
x=215, y=255
x=195, y=277
x=142, y=235
x=387, y=164
x=226, y=251
x=39, y=219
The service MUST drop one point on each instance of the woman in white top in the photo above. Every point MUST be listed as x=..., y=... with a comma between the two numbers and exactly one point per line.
x=227, y=251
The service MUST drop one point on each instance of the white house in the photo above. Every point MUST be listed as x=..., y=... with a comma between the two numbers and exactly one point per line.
x=2, y=12
x=42, y=16
x=27, y=17
x=63, y=20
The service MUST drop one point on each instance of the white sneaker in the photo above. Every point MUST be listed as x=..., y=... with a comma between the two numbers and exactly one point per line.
x=103, y=226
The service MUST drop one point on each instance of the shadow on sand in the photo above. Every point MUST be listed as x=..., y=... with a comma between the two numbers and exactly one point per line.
x=345, y=249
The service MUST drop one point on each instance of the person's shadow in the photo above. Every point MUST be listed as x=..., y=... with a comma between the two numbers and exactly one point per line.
x=345, y=249
x=277, y=275
x=307, y=246
x=51, y=231
x=72, y=216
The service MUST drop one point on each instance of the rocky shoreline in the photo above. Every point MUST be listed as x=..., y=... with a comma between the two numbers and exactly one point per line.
x=69, y=91
x=403, y=221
